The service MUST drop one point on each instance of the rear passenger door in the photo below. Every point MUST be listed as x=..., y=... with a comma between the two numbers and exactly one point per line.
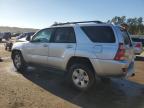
x=62, y=46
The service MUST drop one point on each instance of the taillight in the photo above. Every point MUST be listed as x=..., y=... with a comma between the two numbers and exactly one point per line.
x=138, y=45
x=120, y=53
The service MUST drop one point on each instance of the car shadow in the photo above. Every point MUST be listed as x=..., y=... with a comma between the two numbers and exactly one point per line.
x=117, y=94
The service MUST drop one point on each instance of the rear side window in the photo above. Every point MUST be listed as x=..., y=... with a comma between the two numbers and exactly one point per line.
x=100, y=34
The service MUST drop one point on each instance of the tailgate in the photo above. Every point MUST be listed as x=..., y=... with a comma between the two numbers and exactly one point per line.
x=129, y=55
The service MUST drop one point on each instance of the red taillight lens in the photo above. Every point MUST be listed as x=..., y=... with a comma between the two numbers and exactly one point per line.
x=120, y=53
x=138, y=45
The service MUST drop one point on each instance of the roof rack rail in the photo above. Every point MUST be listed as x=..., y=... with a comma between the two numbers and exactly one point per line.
x=99, y=22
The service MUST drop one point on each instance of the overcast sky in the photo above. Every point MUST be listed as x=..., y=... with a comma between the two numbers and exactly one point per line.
x=43, y=13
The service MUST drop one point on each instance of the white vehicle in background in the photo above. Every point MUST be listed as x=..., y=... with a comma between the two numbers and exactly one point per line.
x=138, y=48
x=24, y=35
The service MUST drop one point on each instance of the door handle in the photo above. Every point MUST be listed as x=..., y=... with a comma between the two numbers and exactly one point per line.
x=45, y=45
x=69, y=46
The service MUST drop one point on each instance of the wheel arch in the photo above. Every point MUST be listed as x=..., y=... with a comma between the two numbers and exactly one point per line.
x=77, y=59
x=13, y=51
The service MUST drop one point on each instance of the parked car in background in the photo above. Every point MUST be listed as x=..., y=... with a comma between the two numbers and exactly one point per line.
x=5, y=35
x=138, y=48
x=1, y=36
x=15, y=34
x=138, y=39
x=24, y=35
x=84, y=50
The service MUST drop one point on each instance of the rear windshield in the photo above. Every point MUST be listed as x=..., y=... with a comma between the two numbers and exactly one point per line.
x=100, y=34
x=126, y=36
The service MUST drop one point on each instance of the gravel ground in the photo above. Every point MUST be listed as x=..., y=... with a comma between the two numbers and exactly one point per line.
x=46, y=88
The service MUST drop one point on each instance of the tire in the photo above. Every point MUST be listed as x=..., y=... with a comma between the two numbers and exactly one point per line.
x=81, y=76
x=19, y=62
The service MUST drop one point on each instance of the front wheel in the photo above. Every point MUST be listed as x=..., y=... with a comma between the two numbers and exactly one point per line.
x=81, y=76
x=18, y=61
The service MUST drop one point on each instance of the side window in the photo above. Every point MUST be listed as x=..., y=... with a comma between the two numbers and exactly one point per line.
x=64, y=35
x=100, y=34
x=42, y=36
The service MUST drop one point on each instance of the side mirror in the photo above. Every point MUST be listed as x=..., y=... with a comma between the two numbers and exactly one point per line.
x=28, y=38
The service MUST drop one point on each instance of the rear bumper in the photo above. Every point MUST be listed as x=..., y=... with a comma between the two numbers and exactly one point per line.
x=112, y=68
x=130, y=71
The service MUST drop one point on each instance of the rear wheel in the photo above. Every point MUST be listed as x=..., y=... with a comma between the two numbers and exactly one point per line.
x=81, y=76
x=19, y=62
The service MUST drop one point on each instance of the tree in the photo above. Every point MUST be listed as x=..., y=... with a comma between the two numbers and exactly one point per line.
x=118, y=20
x=136, y=25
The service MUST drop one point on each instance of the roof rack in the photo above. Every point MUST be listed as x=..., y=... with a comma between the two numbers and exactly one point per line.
x=99, y=22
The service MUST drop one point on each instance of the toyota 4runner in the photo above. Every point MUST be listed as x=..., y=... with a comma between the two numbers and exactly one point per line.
x=84, y=50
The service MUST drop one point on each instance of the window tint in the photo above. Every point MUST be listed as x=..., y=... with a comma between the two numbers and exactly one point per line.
x=43, y=35
x=64, y=35
x=101, y=34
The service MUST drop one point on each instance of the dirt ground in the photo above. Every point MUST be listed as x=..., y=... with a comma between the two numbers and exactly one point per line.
x=46, y=88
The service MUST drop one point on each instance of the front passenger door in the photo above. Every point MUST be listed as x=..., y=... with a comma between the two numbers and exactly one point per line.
x=36, y=50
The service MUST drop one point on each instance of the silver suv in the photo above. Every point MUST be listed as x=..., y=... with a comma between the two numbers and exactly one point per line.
x=84, y=50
